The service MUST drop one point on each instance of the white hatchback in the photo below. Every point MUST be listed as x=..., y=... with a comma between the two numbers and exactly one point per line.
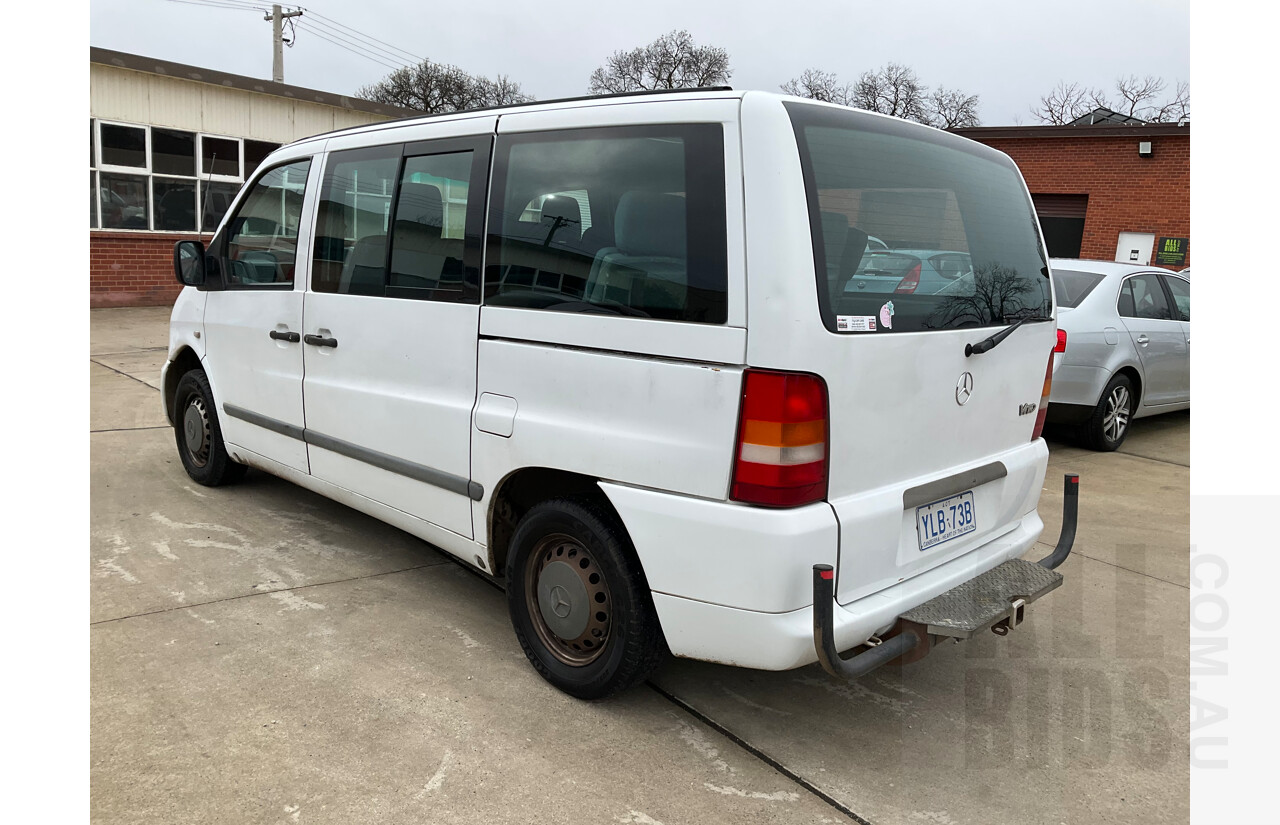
x=602, y=350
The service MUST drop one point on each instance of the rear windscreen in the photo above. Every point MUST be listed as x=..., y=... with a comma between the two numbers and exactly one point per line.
x=914, y=229
x=1071, y=286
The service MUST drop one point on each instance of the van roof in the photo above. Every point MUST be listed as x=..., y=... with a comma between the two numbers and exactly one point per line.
x=701, y=92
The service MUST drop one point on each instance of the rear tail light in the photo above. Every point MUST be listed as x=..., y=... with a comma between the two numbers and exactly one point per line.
x=781, y=454
x=908, y=284
x=1062, y=341
x=1044, y=395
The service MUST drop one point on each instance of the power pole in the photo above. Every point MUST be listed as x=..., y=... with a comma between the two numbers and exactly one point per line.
x=277, y=19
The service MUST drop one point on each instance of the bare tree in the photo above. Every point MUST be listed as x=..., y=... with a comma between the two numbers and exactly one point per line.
x=673, y=61
x=816, y=84
x=1135, y=97
x=952, y=109
x=439, y=87
x=891, y=90
x=1066, y=102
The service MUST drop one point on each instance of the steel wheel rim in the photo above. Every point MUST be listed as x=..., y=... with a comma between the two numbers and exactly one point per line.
x=196, y=432
x=543, y=579
x=1116, y=418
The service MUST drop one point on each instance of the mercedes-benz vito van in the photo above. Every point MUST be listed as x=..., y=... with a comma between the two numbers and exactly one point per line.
x=612, y=352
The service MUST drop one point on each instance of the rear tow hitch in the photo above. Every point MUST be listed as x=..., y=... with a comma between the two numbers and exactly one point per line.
x=997, y=600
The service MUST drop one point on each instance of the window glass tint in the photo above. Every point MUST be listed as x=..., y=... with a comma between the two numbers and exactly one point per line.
x=93, y=145
x=1181, y=296
x=220, y=156
x=93, y=199
x=124, y=201
x=1071, y=287
x=255, y=152
x=215, y=200
x=428, y=237
x=175, y=204
x=616, y=221
x=943, y=229
x=353, y=221
x=1142, y=297
x=173, y=152
x=262, y=238
x=124, y=146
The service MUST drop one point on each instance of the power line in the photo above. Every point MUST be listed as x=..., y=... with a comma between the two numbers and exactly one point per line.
x=220, y=4
x=318, y=28
x=338, y=28
x=308, y=29
x=364, y=36
x=395, y=56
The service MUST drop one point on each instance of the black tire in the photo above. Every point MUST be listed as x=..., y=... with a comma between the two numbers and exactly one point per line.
x=1107, y=427
x=611, y=636
x=199, y=434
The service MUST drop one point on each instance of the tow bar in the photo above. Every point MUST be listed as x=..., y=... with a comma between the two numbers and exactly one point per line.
x=996, y=600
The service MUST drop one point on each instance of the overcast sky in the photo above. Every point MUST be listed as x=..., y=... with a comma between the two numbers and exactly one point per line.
x=1009, y=52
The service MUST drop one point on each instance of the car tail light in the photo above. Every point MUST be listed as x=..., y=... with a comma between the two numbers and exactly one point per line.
x=1062, y=341
x=1044, y=395
x=909, y=283
x=781, y=454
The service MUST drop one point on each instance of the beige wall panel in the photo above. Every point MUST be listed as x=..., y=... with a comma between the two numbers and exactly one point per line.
x=226, y=111
x=311, y=120
x=118, y=94
x=176, y=103
x=271, y=119
x=345, y=118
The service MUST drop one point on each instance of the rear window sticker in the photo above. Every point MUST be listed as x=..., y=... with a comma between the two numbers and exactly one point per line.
x=855, y=323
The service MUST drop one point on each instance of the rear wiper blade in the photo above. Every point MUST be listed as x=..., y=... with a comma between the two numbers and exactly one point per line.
x=990, y=343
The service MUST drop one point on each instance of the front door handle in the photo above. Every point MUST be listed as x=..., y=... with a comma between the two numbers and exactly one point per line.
x=291, y=337
x=1143, y=339
x=320, y=341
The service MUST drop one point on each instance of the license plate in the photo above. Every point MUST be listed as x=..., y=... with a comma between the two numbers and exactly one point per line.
x=945, y=520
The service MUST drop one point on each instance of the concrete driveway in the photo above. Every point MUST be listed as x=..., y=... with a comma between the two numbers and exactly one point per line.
x=260, y=655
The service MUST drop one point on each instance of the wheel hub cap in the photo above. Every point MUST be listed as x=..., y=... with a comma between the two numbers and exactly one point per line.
x=568, y=600
x=195, y=430
x=562, y=600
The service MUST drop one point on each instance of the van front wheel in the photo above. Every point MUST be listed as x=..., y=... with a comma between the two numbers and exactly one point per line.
x=579, y=604
x=199, y=435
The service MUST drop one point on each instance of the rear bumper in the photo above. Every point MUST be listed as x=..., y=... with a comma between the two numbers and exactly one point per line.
x=781, y=641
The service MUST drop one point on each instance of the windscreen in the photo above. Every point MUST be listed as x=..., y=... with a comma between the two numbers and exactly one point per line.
x=914, y=229
x=1071, y=287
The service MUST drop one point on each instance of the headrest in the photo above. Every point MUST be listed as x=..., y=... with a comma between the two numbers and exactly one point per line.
x=371, y=250
x=570, y=214
x=420, y=203
x=855, y=246
x=651, y=224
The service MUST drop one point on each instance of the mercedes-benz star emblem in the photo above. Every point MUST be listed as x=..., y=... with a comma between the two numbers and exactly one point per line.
x=964, y=388
x=560, y=601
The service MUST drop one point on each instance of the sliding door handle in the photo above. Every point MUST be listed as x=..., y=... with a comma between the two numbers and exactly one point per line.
x=320, y=341
x=291, y=337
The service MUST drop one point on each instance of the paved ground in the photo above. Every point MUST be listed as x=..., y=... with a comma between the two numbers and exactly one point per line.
x=261, y=655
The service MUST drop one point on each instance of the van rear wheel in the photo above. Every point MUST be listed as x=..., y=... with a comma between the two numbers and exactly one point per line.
x=578, y=601
x=199, y=434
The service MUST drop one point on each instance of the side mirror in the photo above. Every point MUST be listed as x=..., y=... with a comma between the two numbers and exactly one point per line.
x=188, y=262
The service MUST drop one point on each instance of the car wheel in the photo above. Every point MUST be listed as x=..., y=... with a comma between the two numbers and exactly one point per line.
x=1107, y=427
x=578, y=600
x=199, y=435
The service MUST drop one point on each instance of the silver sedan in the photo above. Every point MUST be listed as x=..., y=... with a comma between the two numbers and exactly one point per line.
x=1127, y=347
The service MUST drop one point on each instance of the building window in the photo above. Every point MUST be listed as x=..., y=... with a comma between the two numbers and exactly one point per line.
x=165, y=180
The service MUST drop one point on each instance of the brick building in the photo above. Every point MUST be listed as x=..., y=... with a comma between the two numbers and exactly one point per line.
x=169, y=147
x=1105, y=191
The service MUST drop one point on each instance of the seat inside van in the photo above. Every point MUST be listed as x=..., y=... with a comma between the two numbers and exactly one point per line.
x=647, y=269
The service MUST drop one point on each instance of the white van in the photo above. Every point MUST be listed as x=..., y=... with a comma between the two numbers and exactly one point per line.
x=628, y=355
